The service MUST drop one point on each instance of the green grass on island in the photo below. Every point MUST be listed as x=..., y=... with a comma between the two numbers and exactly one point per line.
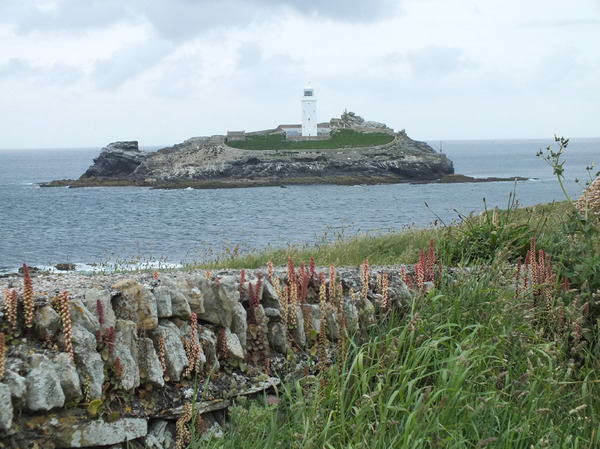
x=342, y=138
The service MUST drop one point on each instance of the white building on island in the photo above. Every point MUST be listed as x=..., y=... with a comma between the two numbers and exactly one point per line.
x=309, y=112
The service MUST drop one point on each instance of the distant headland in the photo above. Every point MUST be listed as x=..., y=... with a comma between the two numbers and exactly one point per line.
x=345, y=151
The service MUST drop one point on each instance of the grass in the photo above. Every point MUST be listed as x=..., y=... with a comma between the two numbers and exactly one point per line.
x=458, y=369
x=471, y=364
x=343, y=138
x=403, y=247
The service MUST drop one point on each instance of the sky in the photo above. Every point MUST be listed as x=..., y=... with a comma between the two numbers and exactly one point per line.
x=77, y=73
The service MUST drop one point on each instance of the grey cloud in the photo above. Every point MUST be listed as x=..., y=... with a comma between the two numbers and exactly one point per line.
x=179, y=19
x=127, y=63
x=271, y=82
x=182, y=19
x=345, y=10
x=180, y=78
x=74, y=16
x=250, y=54
x=566, y=70
x=17, y=68
x=562, y=23
x=21, y=69
x=438, y=62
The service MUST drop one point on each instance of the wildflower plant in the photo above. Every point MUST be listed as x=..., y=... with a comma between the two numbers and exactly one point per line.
x=365, y=271
x=193, y=349
x=183, y=433
x=28, y=304
x=2, y=355
x=65, y=316
x=162, y=356
x=424, y=271
x=577, y=248
x=222, y=344
x=553, y=159
x=11, y=302
x=257, y=342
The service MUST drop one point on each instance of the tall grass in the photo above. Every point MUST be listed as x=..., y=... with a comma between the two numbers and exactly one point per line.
x=391, y=248
x=460, y=241
x=460, y=368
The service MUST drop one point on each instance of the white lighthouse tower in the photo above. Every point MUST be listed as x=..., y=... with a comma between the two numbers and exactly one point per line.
x=309, y=112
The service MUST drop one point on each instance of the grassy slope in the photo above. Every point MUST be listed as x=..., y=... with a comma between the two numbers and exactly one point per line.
x=343, y=138
x=396, y=248
x=468, y=365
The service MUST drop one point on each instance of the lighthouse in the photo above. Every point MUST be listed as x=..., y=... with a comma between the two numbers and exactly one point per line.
x=309, y=112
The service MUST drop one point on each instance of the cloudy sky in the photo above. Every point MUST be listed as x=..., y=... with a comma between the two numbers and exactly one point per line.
x=78, y=73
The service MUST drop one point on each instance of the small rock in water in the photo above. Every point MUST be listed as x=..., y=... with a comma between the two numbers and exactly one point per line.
x=31, y=270
x=65, y=266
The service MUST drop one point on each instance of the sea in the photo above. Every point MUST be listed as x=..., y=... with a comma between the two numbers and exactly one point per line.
x=115, y=228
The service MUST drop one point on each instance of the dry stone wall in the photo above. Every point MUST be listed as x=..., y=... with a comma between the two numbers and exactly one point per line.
x=139, y=349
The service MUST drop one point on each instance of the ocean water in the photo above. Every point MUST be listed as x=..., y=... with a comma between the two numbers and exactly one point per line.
x=114, y=226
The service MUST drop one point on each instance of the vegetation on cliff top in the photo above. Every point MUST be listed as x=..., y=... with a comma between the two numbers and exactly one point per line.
x=341, y=138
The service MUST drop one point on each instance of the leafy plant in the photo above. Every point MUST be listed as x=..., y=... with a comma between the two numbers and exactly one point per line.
x=577, y=247
x=553, y=159
x=493, y=233
x=462, y=367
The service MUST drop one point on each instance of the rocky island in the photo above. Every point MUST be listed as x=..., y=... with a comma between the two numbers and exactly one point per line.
x=241, y=159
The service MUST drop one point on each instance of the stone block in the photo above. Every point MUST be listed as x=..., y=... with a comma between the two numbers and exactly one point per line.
x=44, y=391
x=234, y=347
x=125, y=349
x=46, y=321
x=99, y=433
x=136, y=303
x=175, y=356
x=17, y=386
x=164, y=306
x=239, y=322
x=67, y=374
x=6, y=409
x=278, y=337
x=217, y=304
x=87, y=360
x=149, y=363
x=297, y=333
x=91, y=297
x=184, y=290
x=208, y=340
x=81, y=315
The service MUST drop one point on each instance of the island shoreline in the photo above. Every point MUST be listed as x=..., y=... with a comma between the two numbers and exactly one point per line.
x=173, y=184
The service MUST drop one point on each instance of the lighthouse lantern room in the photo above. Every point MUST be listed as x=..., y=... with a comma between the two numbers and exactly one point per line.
x=309, y=112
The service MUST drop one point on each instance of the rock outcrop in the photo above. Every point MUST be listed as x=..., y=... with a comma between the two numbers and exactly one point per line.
x=118, y=159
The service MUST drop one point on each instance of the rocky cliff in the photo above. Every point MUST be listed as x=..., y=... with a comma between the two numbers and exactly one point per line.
x=118, y=159
x=208, y=162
